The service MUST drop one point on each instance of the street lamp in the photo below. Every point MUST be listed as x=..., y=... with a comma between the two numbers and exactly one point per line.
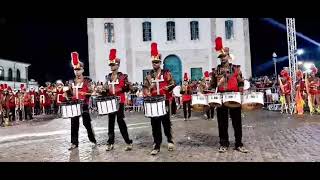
x=274, y=57
x=300, y=52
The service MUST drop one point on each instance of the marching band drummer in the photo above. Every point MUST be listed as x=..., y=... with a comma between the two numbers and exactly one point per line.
x=117, y=84
x=228, y=79
x=164, y=80
x=186, y=92
x=206, y=86
x=80, y=90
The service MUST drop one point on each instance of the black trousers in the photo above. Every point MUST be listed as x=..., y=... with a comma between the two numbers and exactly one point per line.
x=174, y=106
x=210, y=113
x=223, y=121
x=121, y=123
x=156, y=128
x=187, y=107
x=28, y=112
x=12, y=114
x=87, y=124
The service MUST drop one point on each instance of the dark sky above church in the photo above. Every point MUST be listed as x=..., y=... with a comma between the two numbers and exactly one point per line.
x=47, y=43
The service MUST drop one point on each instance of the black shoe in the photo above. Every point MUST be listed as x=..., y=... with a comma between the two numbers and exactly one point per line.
x=73, y=146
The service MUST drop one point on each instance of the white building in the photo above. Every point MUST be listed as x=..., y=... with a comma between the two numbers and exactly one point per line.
x=186, y=44
x=15, y=73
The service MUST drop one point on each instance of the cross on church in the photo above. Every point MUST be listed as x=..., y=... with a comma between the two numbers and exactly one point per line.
x=112, y=84
x=157, y=81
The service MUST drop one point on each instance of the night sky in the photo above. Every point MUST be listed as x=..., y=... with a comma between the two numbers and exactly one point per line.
x=47, y=43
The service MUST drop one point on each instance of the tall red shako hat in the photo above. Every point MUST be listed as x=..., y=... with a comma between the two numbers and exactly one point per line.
x=75, y=60
x=113, y=57
x=222, y=51
x=22, y=88
x=155, y=56
x=185, y=78
x=206, y=75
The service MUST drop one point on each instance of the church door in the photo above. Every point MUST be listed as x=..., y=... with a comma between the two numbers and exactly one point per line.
x=173, y=63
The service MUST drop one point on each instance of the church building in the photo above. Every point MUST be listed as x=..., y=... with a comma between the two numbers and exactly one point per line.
x=185, y=44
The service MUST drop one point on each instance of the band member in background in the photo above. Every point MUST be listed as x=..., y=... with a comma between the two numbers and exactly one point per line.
x=117, y=84
x=166, y=85
x=43, y=98
x=4, y=106
x=206, y=87
x=285, y=86
x=10, y=103
x=300, y=88
x=80, y=90
x=26, y=103
x=312, y=89
x=1, y=104
x=33, y=96
x=19, y=100
x=186, y=92
x=228, y=79
x=59, y=97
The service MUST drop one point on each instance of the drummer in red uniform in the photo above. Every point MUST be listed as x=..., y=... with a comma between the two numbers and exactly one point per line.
x=186, y=92
x=163, y=80
x=80, y=90
x=117, y=84
x=228, y=79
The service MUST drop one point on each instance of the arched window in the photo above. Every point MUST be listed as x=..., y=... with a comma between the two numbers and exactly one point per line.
x=109, y=32
x=171, y=34
x=10, y=74
x=146, y=31
x=1, y=73
x=18, y=77
x=229, y=29
x=194, y=30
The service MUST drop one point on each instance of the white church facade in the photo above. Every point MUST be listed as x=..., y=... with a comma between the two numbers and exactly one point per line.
x=185, y=44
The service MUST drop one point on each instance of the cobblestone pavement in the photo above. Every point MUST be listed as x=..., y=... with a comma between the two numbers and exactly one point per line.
x=270, y=136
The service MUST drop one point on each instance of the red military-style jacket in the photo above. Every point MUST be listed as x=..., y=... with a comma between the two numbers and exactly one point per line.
x=83, y=87
x=121, y=88
x=60, y=98
x=44, y=98
x=186, y=93
x=233, y=80
x=33, y=96
x=167, y=82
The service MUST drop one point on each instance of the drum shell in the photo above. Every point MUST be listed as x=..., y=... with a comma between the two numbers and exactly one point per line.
x=107, y=104
x=154, y=106
x=231, y=99
x=252, y=101
x=199, y=103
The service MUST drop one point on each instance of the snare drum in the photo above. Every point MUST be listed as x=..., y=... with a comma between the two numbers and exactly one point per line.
x=154, y=106
x=252, y=101
x=71, y=109
x=107, y=104
x=214, y=100
x=231, y=99
x=199, y=103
